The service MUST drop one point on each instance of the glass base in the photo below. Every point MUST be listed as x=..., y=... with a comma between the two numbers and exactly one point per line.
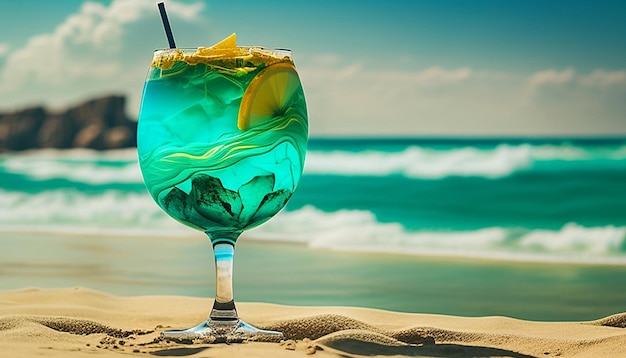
x=222, y=331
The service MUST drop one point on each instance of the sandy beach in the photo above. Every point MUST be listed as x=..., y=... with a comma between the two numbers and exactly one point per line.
x=81, y=322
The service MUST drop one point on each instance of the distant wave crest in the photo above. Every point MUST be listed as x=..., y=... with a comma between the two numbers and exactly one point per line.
x=135, y=214
x=78, y=165
x=355, y=230
x=122, y=213
x=417, y=162
x=429, y=163
x=74, y=212
x=414, y=162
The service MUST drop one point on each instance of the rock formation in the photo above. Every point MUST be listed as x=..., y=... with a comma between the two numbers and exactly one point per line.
x=99, y=123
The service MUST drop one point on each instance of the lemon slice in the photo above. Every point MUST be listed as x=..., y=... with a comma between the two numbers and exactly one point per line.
x=268, y=94
x=226, y=47
x=229, y=42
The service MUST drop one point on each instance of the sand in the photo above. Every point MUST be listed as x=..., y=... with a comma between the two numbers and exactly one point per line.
x=77, y=322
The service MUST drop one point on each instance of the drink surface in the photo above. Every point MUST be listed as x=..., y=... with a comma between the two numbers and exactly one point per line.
x=222, y=136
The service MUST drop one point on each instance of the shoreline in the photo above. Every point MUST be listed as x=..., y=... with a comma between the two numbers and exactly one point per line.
x=80, y=322
x=504, y=258
x=296, y=275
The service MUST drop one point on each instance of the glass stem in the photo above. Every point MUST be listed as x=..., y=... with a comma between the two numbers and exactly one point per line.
x=224, y=305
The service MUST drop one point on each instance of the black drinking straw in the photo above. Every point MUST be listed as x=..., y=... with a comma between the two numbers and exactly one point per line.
x=166, y=25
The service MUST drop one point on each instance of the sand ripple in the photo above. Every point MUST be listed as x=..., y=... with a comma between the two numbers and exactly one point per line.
x=68, y=325
x=332, y=333
x=79, y=322
x=617, y=320
x=341, y=334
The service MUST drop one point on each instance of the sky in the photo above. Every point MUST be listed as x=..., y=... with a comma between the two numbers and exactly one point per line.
x=369, y=68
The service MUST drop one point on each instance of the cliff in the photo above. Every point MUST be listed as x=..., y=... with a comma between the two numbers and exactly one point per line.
x=99, y=123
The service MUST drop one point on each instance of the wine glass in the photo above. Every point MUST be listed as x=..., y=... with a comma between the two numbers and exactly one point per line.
x=221, y=140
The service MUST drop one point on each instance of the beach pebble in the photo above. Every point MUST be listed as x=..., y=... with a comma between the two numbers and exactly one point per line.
x=309, y=346
x=289, y=345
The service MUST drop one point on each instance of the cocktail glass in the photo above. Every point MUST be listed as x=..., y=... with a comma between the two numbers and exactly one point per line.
x=222, y=137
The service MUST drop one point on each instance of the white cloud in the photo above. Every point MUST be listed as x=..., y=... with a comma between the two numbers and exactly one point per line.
x=320, y=72
x=598, y=78
x=438, y=74
x=356, y=98
x=551, y=77
x=4, y=49
x=558, y=80
x=326, y=59
x=601, y=78
x=327, y=67
x=88, y=50
x=185, y=11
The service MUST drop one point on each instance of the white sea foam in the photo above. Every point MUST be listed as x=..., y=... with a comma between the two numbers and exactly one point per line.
x=123, y=213
x=576, y=238
x=417, y=162
x=79, y=165
x=73, y=212
x=353, y=230
x=121, y=166
x=566, y=152
x=127, y=154
x=84, y=172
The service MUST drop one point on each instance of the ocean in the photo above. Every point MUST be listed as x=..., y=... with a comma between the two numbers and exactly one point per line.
x=528, y=228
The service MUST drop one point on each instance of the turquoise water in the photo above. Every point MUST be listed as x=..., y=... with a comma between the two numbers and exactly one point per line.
x=525, y=228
